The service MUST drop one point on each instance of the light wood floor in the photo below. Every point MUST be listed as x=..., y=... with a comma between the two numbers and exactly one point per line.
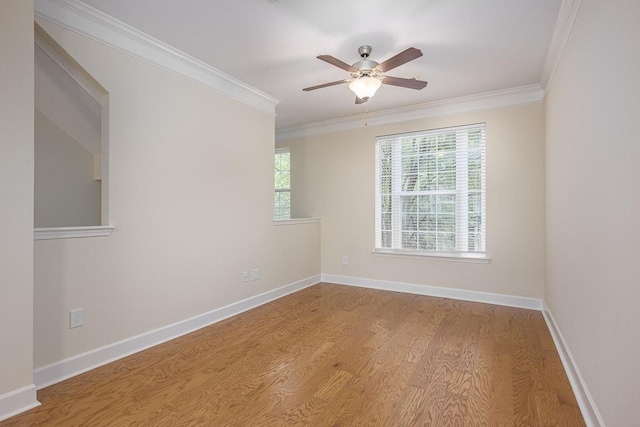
x=332, y=355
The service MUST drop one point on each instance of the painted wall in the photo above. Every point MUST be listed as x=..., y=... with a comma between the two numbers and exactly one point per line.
x=16, y=195
x=333, y=178
x=66, y=193
x=593, y=203
x=191, y=196
x=59, y=97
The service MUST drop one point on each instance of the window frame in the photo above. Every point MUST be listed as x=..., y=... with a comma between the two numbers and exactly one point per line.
x=279, y=191
x=396, y=246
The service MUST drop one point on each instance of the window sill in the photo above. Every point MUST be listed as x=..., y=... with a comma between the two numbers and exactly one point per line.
x=295, y=221
x=472, y=258
x=72, y=232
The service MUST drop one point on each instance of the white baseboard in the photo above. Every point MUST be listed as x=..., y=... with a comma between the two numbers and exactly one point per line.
x=437, y=291
x=588, y=407
x=17, y=401
x=67, y=368
x=20, y=400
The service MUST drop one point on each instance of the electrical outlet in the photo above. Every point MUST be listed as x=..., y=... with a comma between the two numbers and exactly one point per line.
x=245, y=276
x=76, y=317
x=345, y=260
x=255, y=274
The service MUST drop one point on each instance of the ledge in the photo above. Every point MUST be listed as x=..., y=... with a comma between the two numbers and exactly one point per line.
x=462, y=257
x=72, y=232
x=295, y=221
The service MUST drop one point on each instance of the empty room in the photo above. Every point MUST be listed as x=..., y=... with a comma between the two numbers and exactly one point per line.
x=285, y=212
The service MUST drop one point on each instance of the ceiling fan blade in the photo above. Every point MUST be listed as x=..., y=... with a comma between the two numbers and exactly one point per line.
x=408, y=83
x=401, y=58
x=335, y=61
x=337, y=82
x=360, y=100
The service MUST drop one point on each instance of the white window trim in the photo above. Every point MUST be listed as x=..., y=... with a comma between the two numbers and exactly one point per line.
x=288, y=189
x=461, y=212
x=476, y=258
x=296, y=221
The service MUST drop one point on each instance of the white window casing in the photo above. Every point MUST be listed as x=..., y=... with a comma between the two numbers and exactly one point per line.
x=431, y=193
x=282, y=201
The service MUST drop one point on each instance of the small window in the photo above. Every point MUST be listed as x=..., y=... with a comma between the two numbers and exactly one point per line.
x=430, y=192
x=282, y=184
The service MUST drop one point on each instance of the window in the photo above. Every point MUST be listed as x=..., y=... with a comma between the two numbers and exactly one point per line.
x=283, y=184
x=430, y=192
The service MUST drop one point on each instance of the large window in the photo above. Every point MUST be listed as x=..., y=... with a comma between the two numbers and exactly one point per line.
x=430, y=192
x=283, y=184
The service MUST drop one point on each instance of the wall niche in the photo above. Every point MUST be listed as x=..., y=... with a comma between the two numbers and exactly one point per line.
x=71, y=144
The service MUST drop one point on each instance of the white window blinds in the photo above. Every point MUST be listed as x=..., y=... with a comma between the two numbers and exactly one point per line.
x=430, y=191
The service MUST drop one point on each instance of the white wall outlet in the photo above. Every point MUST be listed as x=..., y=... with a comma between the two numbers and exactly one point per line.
x=345, y=260
x=255, y=274
x=245, y=276
x=76, y=317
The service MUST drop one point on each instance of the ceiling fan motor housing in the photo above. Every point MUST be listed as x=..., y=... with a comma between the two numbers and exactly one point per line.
x=365, y=66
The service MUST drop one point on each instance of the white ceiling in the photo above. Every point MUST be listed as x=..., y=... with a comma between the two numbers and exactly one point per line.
x=469, y=46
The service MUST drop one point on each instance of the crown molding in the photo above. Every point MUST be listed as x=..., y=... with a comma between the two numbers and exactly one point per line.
x=561, y=32
x=92, y=23
x=522, y=95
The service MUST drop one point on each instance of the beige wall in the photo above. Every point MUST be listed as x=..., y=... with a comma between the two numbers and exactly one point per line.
x=593, y=203
x=333, y=178
x=191, y=196
x=64, y=101
x=66, y=193
x=16, y=194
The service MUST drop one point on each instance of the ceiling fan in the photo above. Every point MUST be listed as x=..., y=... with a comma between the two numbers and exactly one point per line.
x=367, y=75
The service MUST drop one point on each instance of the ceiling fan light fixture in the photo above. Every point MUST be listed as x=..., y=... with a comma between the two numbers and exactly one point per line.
x=365, y=87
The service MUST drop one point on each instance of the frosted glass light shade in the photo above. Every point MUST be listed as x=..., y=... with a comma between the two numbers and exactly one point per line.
x=365, y=87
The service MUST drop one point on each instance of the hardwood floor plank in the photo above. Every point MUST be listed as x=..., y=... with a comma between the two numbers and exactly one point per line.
x=381, y=395
x=347, y=399
x=332, y=355
x=412, y=406
x=454, y=412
